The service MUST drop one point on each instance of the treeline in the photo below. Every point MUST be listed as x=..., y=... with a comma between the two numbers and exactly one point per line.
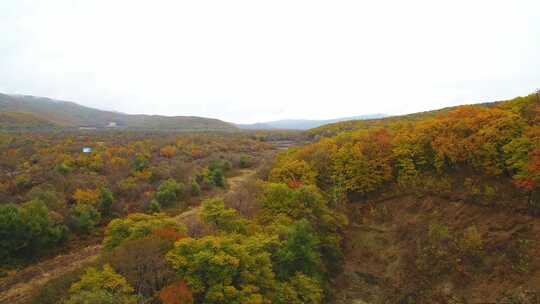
x=472, y=151
x=51, y=191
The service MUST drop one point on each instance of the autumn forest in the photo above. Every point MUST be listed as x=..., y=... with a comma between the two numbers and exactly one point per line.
x=432, y=207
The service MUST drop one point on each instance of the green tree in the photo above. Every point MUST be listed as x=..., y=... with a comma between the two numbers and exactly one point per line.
x=169, y=191
x=299, y=252
x=140, y=162
x=106, y=200
x=225, y=219
x=27, y=229
x=217, y=178
x=306, y=202
x=85, y=218
x=11, y=231
x=39, y=230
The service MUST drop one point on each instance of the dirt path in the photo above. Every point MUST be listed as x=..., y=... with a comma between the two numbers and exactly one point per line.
x=233, y=182
x=18, y=288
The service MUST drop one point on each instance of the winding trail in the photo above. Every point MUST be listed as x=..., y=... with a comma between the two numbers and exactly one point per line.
x=19, y=287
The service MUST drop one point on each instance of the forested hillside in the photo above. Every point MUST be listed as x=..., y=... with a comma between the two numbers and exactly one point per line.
x=70, y=114
x=443, y=207
x=13, y=121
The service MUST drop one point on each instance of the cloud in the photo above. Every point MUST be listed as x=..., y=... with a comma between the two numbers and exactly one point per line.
x=247, y=61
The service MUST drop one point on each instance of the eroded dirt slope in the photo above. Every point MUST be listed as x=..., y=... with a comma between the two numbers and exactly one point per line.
x=391, y=256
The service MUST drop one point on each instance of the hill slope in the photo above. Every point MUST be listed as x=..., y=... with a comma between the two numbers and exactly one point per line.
x=333, y=128
x=443, y=206
x=21, y=121
x=70, y=114
x=304, y=124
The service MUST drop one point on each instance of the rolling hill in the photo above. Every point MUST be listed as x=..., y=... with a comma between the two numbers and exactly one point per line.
x=69, y=114
x=333, y=128
x=10, y=121
x=303, y=124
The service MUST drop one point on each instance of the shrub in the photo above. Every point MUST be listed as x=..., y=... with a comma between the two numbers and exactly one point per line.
x=106, y=200
x=56, y=289
x=245, y=161
x=169, y=192
x=433, y=255
x=217, y=178
x=489, y=193
x=64, y=169
x=520, y=255
x=140, y=162
x=85, y=218
x=195, y=188
x=519, y=296
x=223, y=165
x=225, y=219
x=471, y=245
x=153, y=207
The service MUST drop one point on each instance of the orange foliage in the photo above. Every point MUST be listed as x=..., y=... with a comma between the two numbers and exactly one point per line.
x=177, y=293
x=168, y=151
x=167, y=233
x=197, y=153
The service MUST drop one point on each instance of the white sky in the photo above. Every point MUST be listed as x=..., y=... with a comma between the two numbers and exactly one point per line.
x=248, y=61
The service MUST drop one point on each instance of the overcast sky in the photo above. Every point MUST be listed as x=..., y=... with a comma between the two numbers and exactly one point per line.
x=247, y=61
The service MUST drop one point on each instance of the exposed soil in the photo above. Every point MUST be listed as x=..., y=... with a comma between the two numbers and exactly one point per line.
x=383, y=237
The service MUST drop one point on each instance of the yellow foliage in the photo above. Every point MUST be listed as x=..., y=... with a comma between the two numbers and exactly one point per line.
x=291, y=170
x=86, y=196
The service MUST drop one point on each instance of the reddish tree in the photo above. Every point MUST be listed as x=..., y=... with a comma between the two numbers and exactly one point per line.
x=177, y=293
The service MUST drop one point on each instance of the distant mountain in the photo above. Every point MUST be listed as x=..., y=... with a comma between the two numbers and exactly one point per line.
x=304, y=124
x=70, y=114
x=256, y=126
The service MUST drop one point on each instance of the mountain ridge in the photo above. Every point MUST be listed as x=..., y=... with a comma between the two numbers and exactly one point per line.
x=70, y=114
x=305, y=124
